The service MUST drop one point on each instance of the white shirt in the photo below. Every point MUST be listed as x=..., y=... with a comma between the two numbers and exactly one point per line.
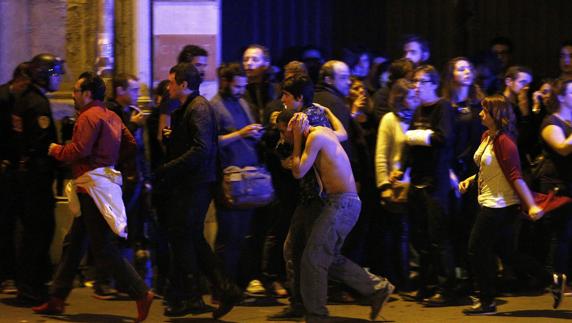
x=494, y=189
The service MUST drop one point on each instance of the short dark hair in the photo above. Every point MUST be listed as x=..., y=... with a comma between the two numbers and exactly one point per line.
x=430, y=71
x=122, y=80
x=400, y=68
x=162, y=88
x=501, y=40
x=93, y=83
x=189, y=73
x=411, y=38
x=512, y=72
x=300, y=86
x=189, y=52
x=227, y=71
x=264, y=49
x=285, y=116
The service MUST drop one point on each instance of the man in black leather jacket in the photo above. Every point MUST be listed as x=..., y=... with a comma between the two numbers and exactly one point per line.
x=188, y=176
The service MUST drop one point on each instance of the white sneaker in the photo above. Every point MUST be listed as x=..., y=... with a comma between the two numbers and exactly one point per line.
x=255, y=288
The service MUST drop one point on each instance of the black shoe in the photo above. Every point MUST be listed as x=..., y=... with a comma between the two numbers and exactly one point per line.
x=379, y=298
x=439, y=300
x=557, y=289
x=182, y=308
x=104, y=292
x=230, y=297
x=288, y=314
x=480, y=309
x=418, y=296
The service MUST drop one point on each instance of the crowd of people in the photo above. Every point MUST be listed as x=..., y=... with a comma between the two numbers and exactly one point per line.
x=381, y=177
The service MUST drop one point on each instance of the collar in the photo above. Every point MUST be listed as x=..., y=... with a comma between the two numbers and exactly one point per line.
x=94, y=103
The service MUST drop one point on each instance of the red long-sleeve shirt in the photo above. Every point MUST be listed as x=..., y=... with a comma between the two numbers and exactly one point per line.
x=98, y=138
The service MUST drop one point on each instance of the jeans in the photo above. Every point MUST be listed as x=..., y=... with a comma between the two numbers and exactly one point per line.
x=301, y=224
x=491, y=225
x=103, y=244
x=322, y=256
x=430, y=236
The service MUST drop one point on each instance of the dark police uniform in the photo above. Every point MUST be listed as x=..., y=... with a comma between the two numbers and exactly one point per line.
x=34, y=130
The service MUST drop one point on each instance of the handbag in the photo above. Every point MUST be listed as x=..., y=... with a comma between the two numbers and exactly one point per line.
x=247, y=187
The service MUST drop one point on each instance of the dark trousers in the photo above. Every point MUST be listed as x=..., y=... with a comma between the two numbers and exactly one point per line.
x=389, y=254
x=8, y=222
x=103, y=244
x=430, y=235
x=234, y=229
x=491, y=227
x=184, y=218
x=280, y=215
x=559, y=224
x=34, y=208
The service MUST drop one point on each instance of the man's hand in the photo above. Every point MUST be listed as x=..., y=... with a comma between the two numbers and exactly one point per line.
x=299, y=124
x=252, y=131
x=138, y=118
x=51, y=149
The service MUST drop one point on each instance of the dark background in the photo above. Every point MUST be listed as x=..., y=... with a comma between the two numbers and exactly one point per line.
x=454, y=27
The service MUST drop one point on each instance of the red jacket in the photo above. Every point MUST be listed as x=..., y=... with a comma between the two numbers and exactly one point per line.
x=98, y=137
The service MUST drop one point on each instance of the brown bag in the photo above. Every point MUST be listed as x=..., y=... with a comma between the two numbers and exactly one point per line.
x=247, y=187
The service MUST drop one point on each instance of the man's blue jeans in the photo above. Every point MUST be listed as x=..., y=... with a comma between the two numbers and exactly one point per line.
x=322, y=255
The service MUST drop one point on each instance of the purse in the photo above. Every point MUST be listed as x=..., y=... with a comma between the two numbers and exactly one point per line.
x=247, y=187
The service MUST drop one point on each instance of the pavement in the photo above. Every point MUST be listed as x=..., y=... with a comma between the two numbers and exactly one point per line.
x=84, y=308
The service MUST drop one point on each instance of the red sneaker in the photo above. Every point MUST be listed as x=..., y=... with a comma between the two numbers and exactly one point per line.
x=54, y=306
x=143, y=306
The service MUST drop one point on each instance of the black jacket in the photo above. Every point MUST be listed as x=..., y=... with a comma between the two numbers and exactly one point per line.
x=34, y=130
x=192, y=147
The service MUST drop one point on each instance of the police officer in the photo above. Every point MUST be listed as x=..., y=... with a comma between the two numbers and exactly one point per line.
x=34, y=130
x=8, y=94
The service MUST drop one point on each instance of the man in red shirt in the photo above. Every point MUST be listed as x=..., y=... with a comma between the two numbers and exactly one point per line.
x=99, y=137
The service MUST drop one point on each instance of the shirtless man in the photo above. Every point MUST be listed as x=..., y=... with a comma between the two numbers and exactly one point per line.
x=318, y=148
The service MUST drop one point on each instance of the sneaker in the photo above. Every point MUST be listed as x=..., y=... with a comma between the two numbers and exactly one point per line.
x=557, y=289
x=255, y=288
x=288, y=314
x=379, y=298
x=104, y=291
x=54, y=306
x=480, y=309
x=9, y=287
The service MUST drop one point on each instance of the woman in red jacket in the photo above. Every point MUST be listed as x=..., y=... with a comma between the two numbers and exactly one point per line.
x=500, y=192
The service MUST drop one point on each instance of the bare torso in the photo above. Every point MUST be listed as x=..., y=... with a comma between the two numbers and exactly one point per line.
x=332, y=163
